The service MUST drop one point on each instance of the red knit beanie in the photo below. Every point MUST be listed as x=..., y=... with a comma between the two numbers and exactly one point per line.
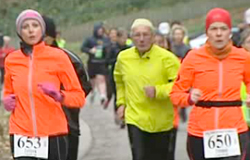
x=218, y=15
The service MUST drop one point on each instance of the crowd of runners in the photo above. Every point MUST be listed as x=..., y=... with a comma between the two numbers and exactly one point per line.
x=149, y=74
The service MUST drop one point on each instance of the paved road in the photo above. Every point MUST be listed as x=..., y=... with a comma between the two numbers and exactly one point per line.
x=103, y=140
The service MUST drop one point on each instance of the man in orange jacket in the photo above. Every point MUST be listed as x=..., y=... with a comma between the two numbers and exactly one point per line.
x=215, y=72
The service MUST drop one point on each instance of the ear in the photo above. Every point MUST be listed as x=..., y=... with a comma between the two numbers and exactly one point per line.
x=231, y=35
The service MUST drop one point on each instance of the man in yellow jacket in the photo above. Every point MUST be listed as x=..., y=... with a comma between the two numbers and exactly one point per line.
x=144, y=76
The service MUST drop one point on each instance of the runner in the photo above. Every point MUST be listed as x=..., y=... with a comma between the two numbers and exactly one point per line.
x=178, y=47
x=245, y=39
x=110, y=49
x=144, y=76
x=163, y=42
x=72, y=114
x=245, y=43
x=210, y=79
x=97, y=69
x=33, y=75
x=236, y=37
x=5, y=48
x=112, y=53
x=175, y=24
x=60, y=41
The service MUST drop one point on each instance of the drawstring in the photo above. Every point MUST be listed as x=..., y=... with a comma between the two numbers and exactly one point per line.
x=26, y=48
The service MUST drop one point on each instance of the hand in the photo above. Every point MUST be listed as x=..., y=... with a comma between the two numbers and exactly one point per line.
x=121, y=112
x=9, y=102
x=50, y=90
x=150, y=91
x=93, y=50
x=248, y=101
x=3, y=55
x=195, y=95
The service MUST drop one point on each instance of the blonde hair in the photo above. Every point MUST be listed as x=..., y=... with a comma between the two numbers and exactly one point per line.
x=182, y=28
x=142, y=22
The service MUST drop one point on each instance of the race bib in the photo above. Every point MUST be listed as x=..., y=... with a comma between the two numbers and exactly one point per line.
x=221, y=143
x=31, y=147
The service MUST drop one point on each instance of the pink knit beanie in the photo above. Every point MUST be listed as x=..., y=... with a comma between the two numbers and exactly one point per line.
x=29, y=14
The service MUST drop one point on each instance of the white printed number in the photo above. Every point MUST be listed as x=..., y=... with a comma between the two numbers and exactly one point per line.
x=221, y=143
x=30, y=146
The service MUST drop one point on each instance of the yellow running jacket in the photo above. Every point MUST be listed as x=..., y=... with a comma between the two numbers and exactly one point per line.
x=157, y=67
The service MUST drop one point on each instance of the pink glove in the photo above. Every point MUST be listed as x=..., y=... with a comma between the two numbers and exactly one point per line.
x=50, y=90
x=9, y=102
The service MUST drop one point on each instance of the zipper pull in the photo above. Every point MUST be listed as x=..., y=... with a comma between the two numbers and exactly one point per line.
x=31, y=56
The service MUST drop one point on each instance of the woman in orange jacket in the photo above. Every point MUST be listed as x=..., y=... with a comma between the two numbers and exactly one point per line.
x=33, y=75
x=215, y=72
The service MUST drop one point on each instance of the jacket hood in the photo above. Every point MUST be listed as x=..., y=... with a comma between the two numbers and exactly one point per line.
x=1, y=41
x=97, y=26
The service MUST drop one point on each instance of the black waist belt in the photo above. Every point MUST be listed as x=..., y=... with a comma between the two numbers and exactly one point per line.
x=219, y=103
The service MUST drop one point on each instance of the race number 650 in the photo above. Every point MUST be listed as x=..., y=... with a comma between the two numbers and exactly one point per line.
x=219, y=141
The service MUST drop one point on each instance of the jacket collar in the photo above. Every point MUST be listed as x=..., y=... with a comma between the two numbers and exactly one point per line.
x=38, y=46
x=29, y=49
x=219, y=53
x=146, y=54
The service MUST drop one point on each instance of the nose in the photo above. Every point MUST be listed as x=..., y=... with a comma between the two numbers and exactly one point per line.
x=31, y=29
x=141, y=37
x=218, y=33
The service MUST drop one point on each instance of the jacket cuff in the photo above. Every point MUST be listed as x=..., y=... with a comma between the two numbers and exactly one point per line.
x=190, y=102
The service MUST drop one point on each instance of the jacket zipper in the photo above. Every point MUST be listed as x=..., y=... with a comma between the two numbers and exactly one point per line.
x=33, y=113
x=220, y=87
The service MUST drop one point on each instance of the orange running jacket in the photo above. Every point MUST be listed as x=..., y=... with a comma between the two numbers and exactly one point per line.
x=219, y=80
x=36, y=114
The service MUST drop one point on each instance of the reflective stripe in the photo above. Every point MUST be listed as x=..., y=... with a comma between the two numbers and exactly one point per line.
x=220, y=78
x=217, y=111
x=58, y=148
x=66, y=144
x=31, y=96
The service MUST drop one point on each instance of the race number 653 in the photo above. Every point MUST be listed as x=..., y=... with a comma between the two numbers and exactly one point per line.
x=29, y=142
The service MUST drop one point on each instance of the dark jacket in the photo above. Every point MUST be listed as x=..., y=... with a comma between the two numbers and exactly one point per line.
x=95, y=41
x=80, y=71
x=72, y=114
x=180, y=50
x=237, y=37
x=111, y=52
x=1, y=41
